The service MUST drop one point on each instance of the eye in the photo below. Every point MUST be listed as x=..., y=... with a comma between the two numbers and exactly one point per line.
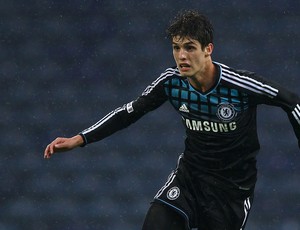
x=190, y=48
x=176, y=48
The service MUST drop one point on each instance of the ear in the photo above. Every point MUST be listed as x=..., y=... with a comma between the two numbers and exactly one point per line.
x=209, y=49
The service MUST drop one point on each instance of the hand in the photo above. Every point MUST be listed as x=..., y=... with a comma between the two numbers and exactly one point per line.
x=62, y=144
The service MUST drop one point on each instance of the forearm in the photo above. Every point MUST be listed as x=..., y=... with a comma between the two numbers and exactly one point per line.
x=124, y=116
x=118, y=119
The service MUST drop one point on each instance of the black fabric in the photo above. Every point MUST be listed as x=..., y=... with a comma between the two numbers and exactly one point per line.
x=161, y=217
x=206, y=203
x=221, y=126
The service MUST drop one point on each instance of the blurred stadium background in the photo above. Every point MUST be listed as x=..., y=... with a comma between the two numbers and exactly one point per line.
x=65, y=64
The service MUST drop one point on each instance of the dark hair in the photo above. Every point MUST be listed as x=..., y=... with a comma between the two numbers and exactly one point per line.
x=191, y=24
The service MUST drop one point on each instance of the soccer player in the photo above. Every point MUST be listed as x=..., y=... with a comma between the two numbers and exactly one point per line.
x=213, y=184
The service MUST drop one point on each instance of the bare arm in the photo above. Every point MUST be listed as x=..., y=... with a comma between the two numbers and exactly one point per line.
x=62, y=144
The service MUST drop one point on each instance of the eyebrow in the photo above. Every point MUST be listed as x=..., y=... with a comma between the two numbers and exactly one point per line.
x=186, y=43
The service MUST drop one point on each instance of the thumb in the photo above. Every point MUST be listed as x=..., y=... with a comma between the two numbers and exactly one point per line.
x=57, y=146
x=61, y=145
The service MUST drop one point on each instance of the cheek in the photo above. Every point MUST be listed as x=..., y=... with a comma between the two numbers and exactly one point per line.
x=198, y=60
x=175, y=56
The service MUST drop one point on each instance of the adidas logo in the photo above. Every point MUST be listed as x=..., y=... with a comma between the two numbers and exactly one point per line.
x=183, y=108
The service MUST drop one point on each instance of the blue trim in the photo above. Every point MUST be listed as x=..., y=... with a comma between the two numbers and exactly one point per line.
x=177, y=210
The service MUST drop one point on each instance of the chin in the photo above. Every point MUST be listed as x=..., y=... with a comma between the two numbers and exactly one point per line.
x=184, y=74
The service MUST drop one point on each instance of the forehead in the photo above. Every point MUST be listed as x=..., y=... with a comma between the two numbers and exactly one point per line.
x=184, y=40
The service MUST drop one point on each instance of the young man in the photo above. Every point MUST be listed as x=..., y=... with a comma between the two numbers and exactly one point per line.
x=212, y=187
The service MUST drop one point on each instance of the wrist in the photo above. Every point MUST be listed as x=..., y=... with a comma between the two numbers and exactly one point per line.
x=79, y=141
x=83, y=140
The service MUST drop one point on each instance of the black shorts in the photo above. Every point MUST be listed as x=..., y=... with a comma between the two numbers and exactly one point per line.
x=205, y=206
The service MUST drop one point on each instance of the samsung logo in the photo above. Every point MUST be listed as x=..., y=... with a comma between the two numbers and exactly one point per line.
x=210, y=126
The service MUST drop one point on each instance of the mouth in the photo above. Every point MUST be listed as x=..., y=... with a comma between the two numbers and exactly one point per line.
x=184, y=67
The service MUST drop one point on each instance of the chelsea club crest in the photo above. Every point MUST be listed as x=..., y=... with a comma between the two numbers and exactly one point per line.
x=226, y=112
x=173, y=193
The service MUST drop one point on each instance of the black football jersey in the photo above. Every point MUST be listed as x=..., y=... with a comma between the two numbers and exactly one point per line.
x=221, y=132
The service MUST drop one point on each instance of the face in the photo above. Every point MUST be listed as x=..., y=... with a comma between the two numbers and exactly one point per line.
x=190, y=57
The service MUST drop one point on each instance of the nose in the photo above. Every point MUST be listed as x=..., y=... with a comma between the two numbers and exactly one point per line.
x=182, y=54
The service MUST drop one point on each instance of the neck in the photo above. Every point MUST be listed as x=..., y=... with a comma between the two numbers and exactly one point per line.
x=206, y=79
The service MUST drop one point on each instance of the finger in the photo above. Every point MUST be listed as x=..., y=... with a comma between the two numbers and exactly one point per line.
x=58, y=148
x=56, y=144
x=51, y=149
x=47, y=156
x=47, y=152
